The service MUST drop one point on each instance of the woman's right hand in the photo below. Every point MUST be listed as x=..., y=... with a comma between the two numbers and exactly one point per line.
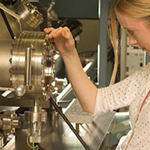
x=63, y=39
x=84, y=89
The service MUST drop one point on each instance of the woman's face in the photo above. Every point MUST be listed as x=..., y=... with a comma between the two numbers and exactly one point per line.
x=138, y=31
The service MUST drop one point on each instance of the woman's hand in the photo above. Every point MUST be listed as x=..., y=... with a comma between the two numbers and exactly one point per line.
x=85, y=90
x=63, y=39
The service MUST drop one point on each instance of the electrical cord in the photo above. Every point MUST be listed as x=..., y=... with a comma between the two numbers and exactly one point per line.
x=27, y=140
x=136, y=118
x=69, y=124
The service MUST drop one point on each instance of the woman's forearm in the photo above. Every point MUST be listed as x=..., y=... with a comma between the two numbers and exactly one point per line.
x=84, y=89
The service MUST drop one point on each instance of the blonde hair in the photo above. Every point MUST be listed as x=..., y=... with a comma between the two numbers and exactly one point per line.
x=138, y=9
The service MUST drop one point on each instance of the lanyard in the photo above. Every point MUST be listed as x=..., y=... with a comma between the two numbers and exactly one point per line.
x=136, y=119
x=144, y=101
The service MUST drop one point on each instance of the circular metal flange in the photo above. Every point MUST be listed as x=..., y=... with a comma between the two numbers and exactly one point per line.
x=32, y=64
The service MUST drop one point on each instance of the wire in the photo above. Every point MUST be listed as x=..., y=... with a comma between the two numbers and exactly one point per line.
x=7, y=24
x=27, y=140
x=69, y=124
x=5, y=9
x=33, y=143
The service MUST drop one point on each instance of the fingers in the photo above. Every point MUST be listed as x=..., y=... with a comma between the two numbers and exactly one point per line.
x=47, y=30
x=66, y=33
x=53, y=33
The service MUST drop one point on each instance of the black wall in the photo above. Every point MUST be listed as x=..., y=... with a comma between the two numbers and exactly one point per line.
x=81, y=9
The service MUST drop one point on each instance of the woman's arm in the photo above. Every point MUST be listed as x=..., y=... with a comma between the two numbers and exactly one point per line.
x=84, y=89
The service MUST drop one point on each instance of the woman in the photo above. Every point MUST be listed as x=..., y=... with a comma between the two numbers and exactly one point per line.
x=133, y=15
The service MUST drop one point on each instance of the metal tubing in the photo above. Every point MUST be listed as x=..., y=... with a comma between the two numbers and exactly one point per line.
x=69, y=124
x=28, y=67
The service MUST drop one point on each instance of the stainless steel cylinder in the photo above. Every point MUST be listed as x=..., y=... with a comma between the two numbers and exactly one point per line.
x=5, y=65
x=21, y=61
x=27, y=64
x=29, y=13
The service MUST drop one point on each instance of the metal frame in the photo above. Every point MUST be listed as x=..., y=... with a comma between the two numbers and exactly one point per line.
x=102, y=64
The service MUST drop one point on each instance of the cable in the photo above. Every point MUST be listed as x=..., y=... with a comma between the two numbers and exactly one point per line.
x=27, y=140
x=7, y=24
x=33, y=144
x=69, y=124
